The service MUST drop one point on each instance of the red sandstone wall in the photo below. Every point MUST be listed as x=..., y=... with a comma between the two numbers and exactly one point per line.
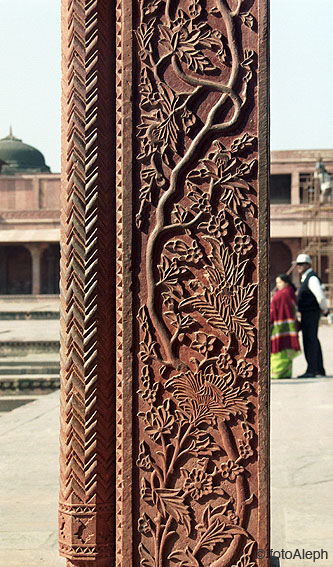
x=31, y=192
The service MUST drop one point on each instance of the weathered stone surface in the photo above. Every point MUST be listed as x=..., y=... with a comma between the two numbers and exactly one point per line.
x=191, y=342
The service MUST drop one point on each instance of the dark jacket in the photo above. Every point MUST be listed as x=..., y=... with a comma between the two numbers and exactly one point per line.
x=306, y=301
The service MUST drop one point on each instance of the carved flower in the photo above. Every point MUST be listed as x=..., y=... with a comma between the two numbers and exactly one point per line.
x=158, y=421
x=154, y=134
x=245, y=369
x=242, y=243
x=203, y=343
x=149, y=393
x=201, y=201
x=194, y=254
x=245, y=450
x=230, y=470
x=144, y=525
x=241, y=143
x=208, y=394
x=217, y=226
x=143, y=460
x=233, y=518
x=222, y=161
x=197, y=482
x=224, y=360
x=151, y=6
x=196, y=286
x=207, y=171
x=150, y=135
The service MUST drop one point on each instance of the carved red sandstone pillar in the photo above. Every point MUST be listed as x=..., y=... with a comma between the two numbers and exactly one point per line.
x=190, y=384
x=87, y=460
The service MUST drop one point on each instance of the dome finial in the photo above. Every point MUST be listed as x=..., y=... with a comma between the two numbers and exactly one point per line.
x=10, y=132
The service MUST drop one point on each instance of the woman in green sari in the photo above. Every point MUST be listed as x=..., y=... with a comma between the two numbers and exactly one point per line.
x=284, y=328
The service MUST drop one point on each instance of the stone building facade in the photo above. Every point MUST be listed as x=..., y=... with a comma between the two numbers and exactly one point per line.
x=29, y=221
x=292, y=223
x=30, y=227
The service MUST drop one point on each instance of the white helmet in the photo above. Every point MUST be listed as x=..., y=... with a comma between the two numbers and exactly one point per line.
x=303, y=259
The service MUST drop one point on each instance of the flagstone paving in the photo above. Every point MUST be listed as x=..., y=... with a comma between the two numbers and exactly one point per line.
x=301, y=472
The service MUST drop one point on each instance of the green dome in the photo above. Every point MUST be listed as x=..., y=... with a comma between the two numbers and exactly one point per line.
x=20, y=158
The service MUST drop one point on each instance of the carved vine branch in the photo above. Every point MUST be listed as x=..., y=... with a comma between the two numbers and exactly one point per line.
x=211, y=238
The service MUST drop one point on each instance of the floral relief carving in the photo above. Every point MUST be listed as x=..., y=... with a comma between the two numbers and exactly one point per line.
x=196, y=216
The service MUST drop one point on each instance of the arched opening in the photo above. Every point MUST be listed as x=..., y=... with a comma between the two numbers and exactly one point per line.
x=16, y=270
x=50, y=269
x=281, y=258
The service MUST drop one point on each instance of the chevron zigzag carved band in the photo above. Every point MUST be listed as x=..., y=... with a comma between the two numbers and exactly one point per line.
x=164, y=342
x=87, y=452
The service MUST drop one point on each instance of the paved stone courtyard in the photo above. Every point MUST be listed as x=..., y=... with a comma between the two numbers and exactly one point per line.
x=301, y=472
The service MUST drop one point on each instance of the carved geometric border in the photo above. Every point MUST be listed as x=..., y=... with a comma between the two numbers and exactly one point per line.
x=86, y=513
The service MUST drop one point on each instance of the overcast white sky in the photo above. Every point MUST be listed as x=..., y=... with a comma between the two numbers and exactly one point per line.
x=301, y=74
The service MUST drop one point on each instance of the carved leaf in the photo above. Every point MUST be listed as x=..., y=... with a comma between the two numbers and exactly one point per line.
x=223, y=269
x=179, y=214
x=184, y=558
x=145, y=32
x=172, y=316
x=239, y=272
x=246, y=168
x=217, y=531
x=195, y=59
x=242, y=299
x=239, y=144
x=248, y=59
x=169, y=501
x=177, y=247
x=243, y=331
x=203, y=445
x=146, y=559
x=208, y=305
x=170, y=271
x=245, y=560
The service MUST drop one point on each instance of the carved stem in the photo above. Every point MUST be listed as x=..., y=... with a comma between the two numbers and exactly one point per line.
x=157, y=540
x=189, y=96
x=163, y=540
x=237, y=10
x=167, y=11
x=198, y=82
x=228, y=445
x=179, y=444
x=160, y=211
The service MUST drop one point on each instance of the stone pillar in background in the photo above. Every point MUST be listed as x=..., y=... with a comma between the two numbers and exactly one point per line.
x=188, y=377
x=36, y=252
x=3, y=270
x=295, y=196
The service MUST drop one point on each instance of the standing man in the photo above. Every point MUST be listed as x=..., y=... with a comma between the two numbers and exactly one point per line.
x=311, y=303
